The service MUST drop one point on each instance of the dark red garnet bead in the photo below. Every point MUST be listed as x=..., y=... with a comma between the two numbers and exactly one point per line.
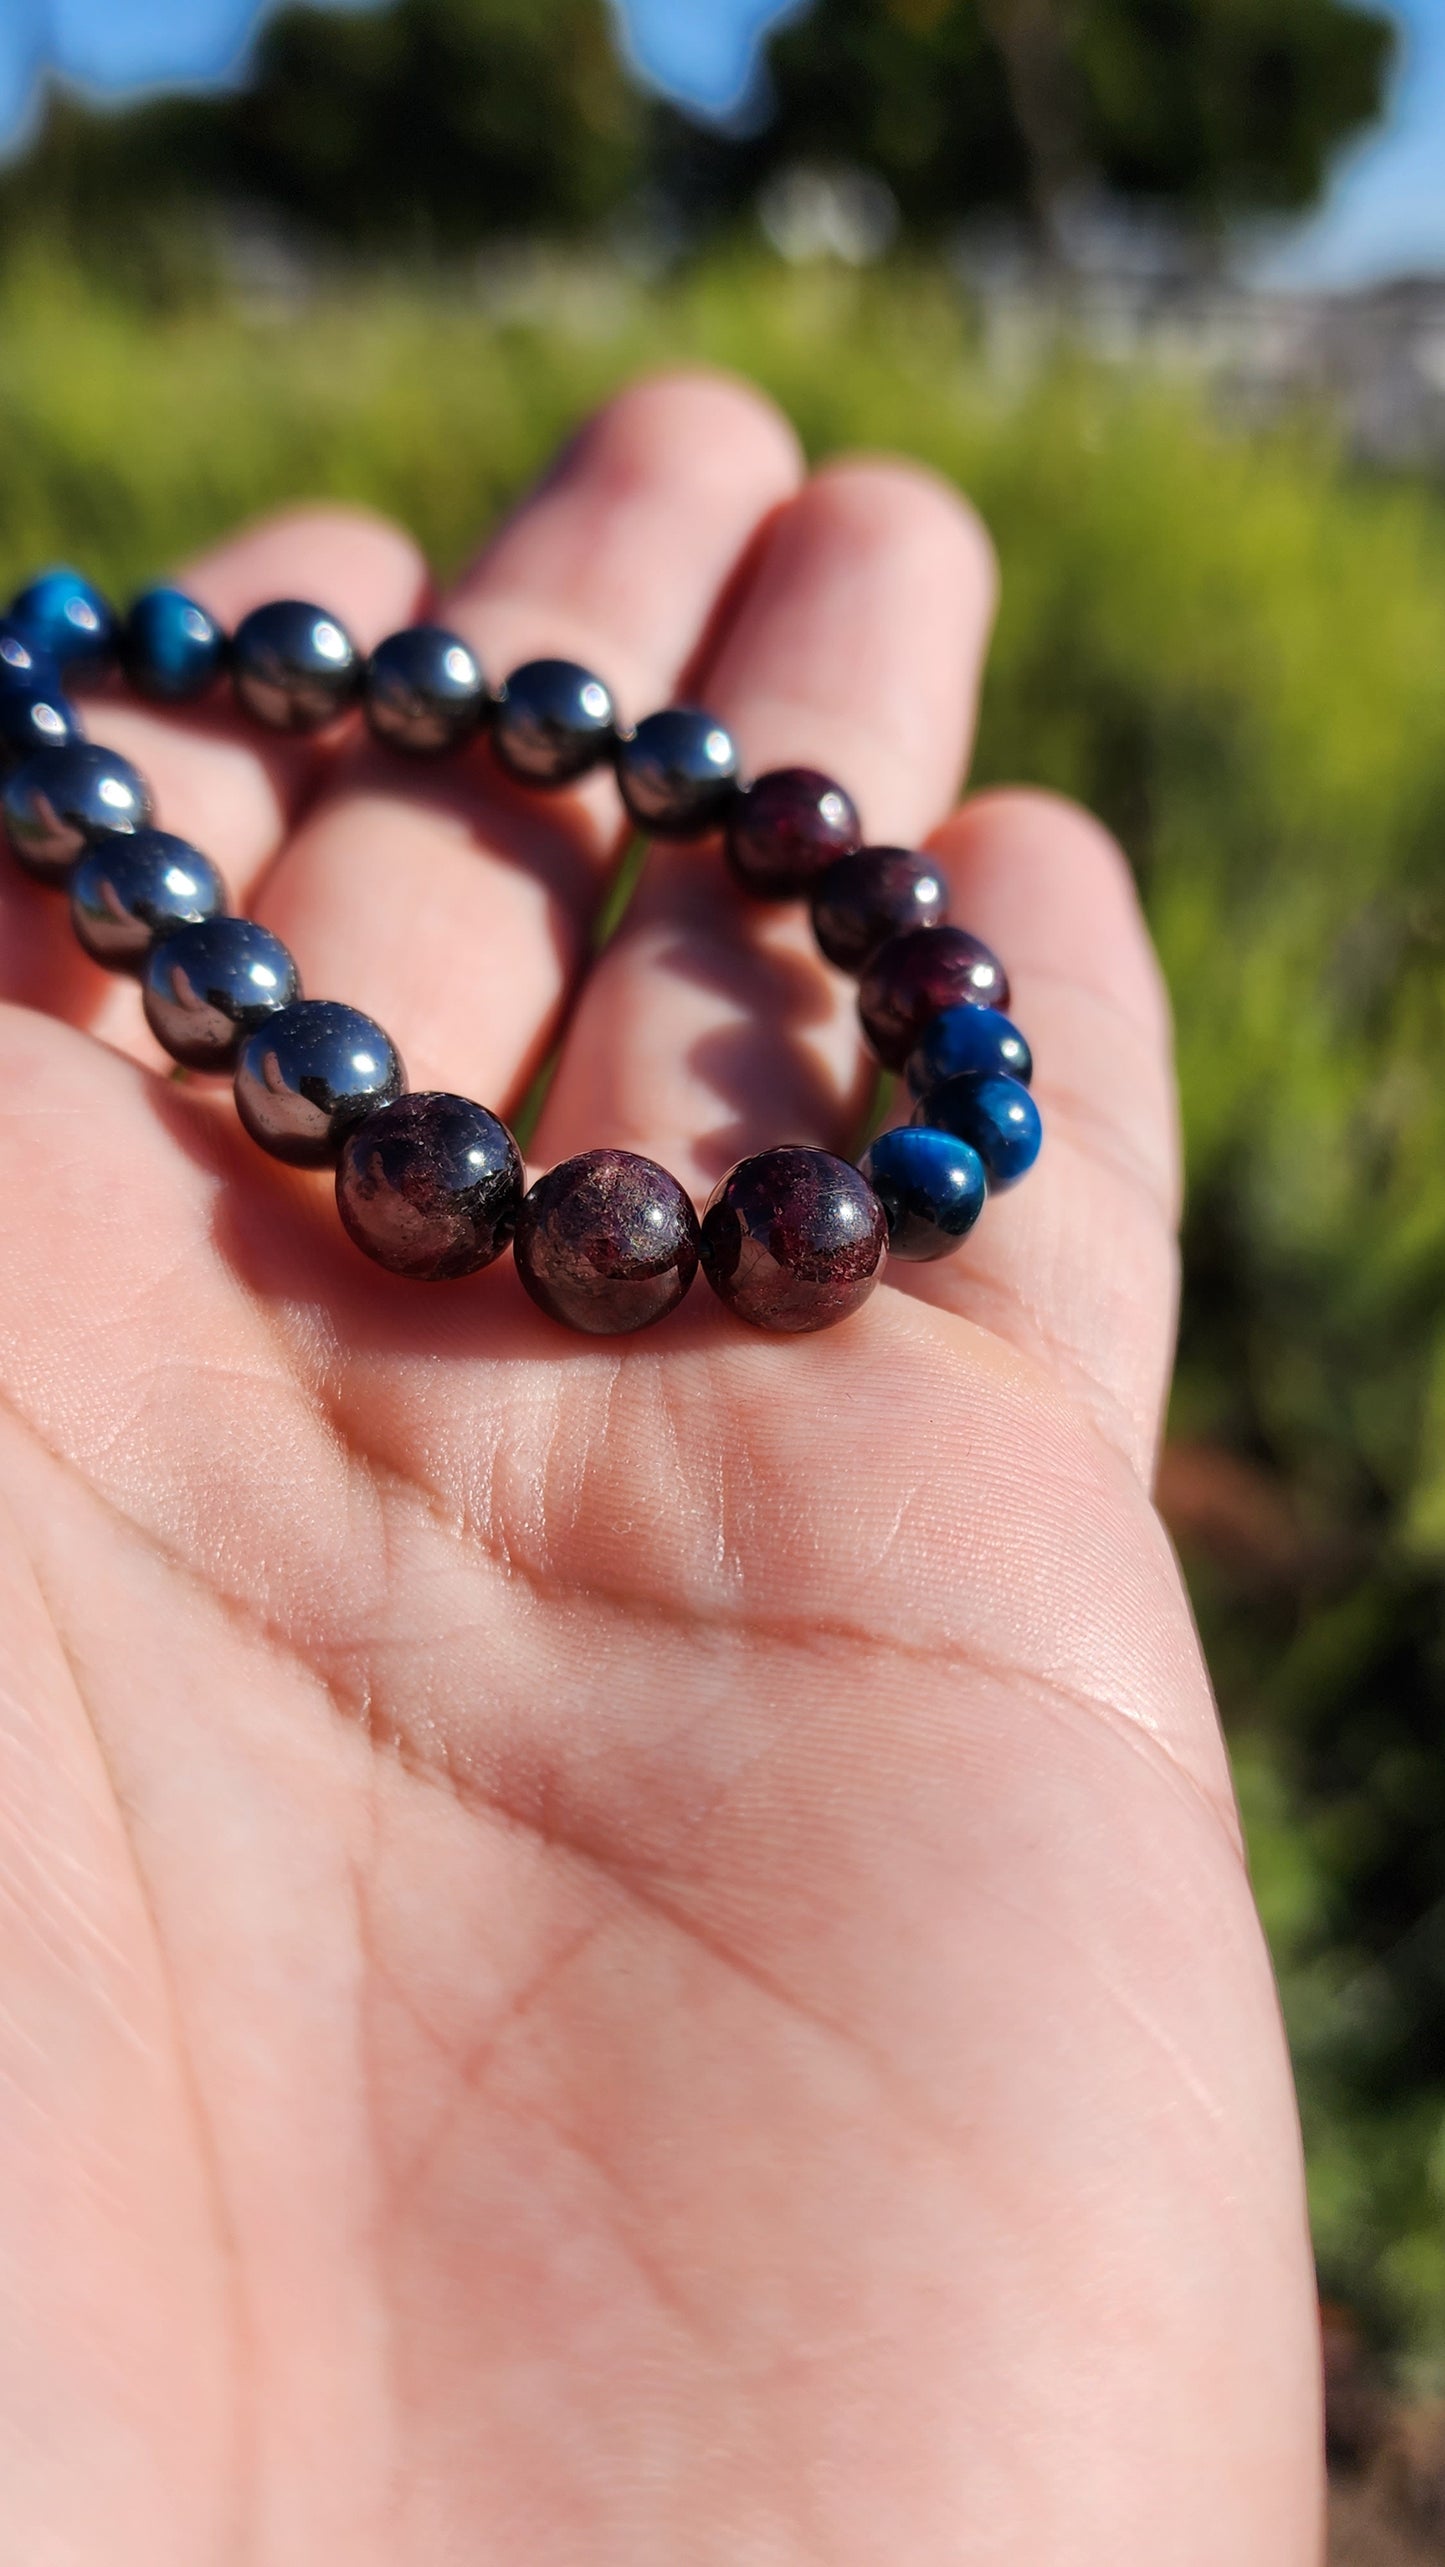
x=787, y=828
x=914, y=977
x=865, y=898
x=794, y=1239
x=430, y=1186
x=607, y=1242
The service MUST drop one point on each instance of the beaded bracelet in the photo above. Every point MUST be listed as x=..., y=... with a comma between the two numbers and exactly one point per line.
x=431, y=1185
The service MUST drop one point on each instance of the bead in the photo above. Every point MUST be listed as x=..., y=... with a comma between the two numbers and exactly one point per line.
x=205, y=987
x=678, y=773
x=170, y=649
x=127, y=892
x=293, y=666
x=915, y=976
x=305, y=1076
x=998, y=1116
x=61, y=800
x=787, y=828
x=932, y=1187
x=794, y=1239
x=24, y=664
x=865, y=898
x=430, y=1186
x=976, y=1039
x=551, y=722
x=65, y=616
x=607, y=1242
x=36, y=717
x=423, y=691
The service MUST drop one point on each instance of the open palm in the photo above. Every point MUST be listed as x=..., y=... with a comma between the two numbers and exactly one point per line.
x=629, y=1952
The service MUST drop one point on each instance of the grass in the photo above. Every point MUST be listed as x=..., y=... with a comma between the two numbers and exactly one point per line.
x=1233, y=648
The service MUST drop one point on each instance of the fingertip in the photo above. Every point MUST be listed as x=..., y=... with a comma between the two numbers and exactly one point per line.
x=349, y=559
x=733, y=434
x=1037, y=862
x=892, y=499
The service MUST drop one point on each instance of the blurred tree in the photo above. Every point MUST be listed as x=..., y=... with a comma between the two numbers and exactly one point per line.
x=425, y=126
x=444, y=118
x=1210, y=107
x=431, y=124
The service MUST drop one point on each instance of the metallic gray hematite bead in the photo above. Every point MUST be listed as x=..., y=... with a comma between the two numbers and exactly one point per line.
x=62, y=800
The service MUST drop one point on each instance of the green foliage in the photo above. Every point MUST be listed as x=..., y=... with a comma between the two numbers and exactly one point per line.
x=1231, y=647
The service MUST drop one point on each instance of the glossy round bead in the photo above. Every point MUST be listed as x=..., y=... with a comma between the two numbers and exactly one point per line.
x=787, y=828
x=306, y=1076
x=205, y=987
x=170, y=649
x=932, y=1187
x=423, y=691
x=430, y=1186
x=794, y=1239
x=64, y=615
x=294, y=666
x=865, y=898
x=975, y=1040
x=607, y=1242
x=127, y=892
x=24, y=664
x=62, y=800
x=912, y=978
x=996, y=1115
x=552, y=721
x=678, y=773
x=36, y=717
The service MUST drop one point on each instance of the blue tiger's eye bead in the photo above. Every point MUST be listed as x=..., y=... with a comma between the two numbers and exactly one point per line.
x=997, y=1115
x=931, y=1185
x=294, y=666
x=794, y=1239
x=864, y=899
x=975, y=1040
x=606, y=1243
x=912, y=978
x=205, y=987
x=423, y=691
x=62, y=800
x=170, y=648
x=24, y=664
x=127, y=892
x=430, y=1186
x=678, y=773
x=552, y=721
x=303, y=1078
x=36, y=717
x=64, y=615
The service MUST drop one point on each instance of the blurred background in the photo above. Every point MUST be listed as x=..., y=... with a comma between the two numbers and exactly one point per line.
x=1162, y=284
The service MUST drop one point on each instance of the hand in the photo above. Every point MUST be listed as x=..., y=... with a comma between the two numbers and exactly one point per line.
x=619, y=1953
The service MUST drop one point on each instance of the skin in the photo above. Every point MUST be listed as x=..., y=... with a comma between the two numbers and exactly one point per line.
x=628, y=1951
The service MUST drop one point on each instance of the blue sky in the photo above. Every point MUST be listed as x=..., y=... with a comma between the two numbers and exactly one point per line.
x=1386, y=211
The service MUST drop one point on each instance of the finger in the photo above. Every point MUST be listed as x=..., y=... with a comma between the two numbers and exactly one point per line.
x=1077, y=1265
x=229, y=787
x=710, y=1026
x=458, y=911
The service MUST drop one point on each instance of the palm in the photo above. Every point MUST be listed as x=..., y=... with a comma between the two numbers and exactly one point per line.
x=619, y=1952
